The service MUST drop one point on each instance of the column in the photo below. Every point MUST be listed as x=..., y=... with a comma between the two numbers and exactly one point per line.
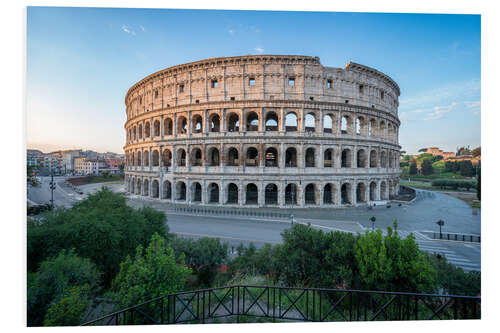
x=241, y=194
x=282, y=123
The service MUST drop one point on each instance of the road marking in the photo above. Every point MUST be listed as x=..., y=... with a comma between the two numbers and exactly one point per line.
x=230, y=238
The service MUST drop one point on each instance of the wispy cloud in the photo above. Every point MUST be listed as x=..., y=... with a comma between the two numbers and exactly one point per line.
x=259, y=50
x=142, y=28
x=128, y=30
x=439, y=111
x=231, y=32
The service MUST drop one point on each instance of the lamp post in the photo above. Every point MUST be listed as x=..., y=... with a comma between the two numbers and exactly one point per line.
x=52, y=186
x=440, y=223
x=373, y=219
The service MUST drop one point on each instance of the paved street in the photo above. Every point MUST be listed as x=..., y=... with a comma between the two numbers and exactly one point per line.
x=418, y=216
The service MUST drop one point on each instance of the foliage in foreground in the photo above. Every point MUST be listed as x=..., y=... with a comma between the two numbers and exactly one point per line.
x=69, y=310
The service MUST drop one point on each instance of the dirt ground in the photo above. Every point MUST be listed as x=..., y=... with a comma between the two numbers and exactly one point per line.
x=470, y=198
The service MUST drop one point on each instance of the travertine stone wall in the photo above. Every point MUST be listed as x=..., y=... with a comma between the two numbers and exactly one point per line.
x=266, y=130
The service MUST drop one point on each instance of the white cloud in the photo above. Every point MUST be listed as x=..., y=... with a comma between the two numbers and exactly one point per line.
x=142, y=28
x=128, y=30
x=439, y=111
x=231, y=32
x=259, y=50
x=473, y=105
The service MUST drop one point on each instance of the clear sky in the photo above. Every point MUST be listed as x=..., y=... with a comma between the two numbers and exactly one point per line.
x=82, y=61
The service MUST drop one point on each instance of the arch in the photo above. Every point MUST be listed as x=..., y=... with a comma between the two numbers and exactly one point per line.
x=361, y=192
x=135, y=133
x=140, y=131
x=291, y=122
x=252, y=194
x=383, y=190
x=252, y=122
x=232, y=157
x=327, y=123
x=382, y=129
x=271, y=157
x=233, y=122
x=291, y=157
x=145, y=157
x=156, y=128
x=147, y=129
x=329, y=194
x=155, y=189
x=196, y=157
x=168, y=126
x=132, y=185
x=271, y=194
x=139, y=158
x=181, y=157
x=310, y=194
x=196, y=192
x=344, y=125
x=182, y=125
x=383, y=159
x=252, y=157
x=310, y=158
x=232, y=193
x=373, y=191
x=180, y=191
x=134, y=161
x=372, y=127
x=167, y=190
x=214, y=123
x=360, y=126
x=389, y=130
x=346, y=158
x=197, y=123
x=167, y=158
x=345, y=194
x=145, y=191
x=213, y=157
x=291, y=194
x=139, y=186
x=361, y=158
x=271, y=121
x=156, y=158
x=373, y=159
x=328, y=161
x=310, y=122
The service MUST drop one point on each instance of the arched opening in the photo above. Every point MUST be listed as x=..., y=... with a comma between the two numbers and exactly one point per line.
x=196, y=192
x=291, y=122
x=182, y=125
x=180, y=191
x=271, y=157
x=232, y=157
x=168, y=126
x=146, y=188
x=196, y=157
x=252, y=157
x=382, y=129
x=167, y=190
x=132, y=185
x=197, y=124
x=271, y=121
x=181, y=157
x=373, y=191
x=310, y=123
x=252, y=122
x=213, y=157
x=344, y=124
x=145, y=157
x=345, y=193
x=155, y=189
x=156, y=127
x=361, y=192
x=372, y=127
x=383, y=159
x=373, y=159
x=215, y=123
x=147, y=130
x=232, y=193
x=360, y=126
x=346, y=159
x=383, y=190
x=361, y=158
x=271, y=194
x=291, y=158
x=156, y=158
x=139, y=158
x=139, y=187
x=252, y=194
x=291, y=194
x=389, y=131
x=233, y=123
x=327, y=124
x=134, y=161
x=310, y=194
x=328, y=194
x=140, y=131
x=167, y=158
x=328, y=158
x=310, y=158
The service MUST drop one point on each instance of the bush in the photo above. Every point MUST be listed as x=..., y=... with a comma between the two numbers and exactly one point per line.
x=427, y=167
x=102, y=228
x=453, y=280
x=70, y=309
x=439, y=167
x=55, y=277
x=453, y=183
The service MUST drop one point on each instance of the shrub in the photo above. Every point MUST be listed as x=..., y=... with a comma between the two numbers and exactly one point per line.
x=70, y=309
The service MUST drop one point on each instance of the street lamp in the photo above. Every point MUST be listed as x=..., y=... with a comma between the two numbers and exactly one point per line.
x=52, y=186
x=440, y=223
x=373, y=219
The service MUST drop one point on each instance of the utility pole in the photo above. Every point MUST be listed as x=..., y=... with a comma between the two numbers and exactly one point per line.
x=52, y=187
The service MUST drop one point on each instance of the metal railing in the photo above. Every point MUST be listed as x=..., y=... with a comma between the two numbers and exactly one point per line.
x=240, y=303
x=231, y=212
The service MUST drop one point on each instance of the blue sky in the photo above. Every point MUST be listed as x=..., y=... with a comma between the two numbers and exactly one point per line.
x=81, y=62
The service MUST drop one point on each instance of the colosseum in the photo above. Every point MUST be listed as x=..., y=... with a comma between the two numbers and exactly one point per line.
x=263, y=131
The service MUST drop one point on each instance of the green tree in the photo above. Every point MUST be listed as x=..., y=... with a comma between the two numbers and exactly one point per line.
x=70, y=309
x=413, y=167
x=427, y=167
x=54, y=278
x=122, y=167
x=479, y=183
x=466, y=168
x=151, y=273
x=476, y=152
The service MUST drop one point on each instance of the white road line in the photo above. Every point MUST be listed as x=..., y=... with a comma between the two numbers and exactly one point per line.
x=221, y=237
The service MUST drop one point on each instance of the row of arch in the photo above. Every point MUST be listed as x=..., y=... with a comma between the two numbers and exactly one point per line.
x=348, y=124
x=268, y=158
x=293, y=194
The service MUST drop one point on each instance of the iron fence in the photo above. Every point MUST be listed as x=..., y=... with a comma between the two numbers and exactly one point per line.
x=228, y=211
x=243, y=303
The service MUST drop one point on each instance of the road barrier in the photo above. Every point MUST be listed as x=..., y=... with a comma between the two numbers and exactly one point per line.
x=231, y=212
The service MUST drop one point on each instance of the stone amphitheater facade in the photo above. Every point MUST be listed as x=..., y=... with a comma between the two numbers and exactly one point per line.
x=266, y=130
